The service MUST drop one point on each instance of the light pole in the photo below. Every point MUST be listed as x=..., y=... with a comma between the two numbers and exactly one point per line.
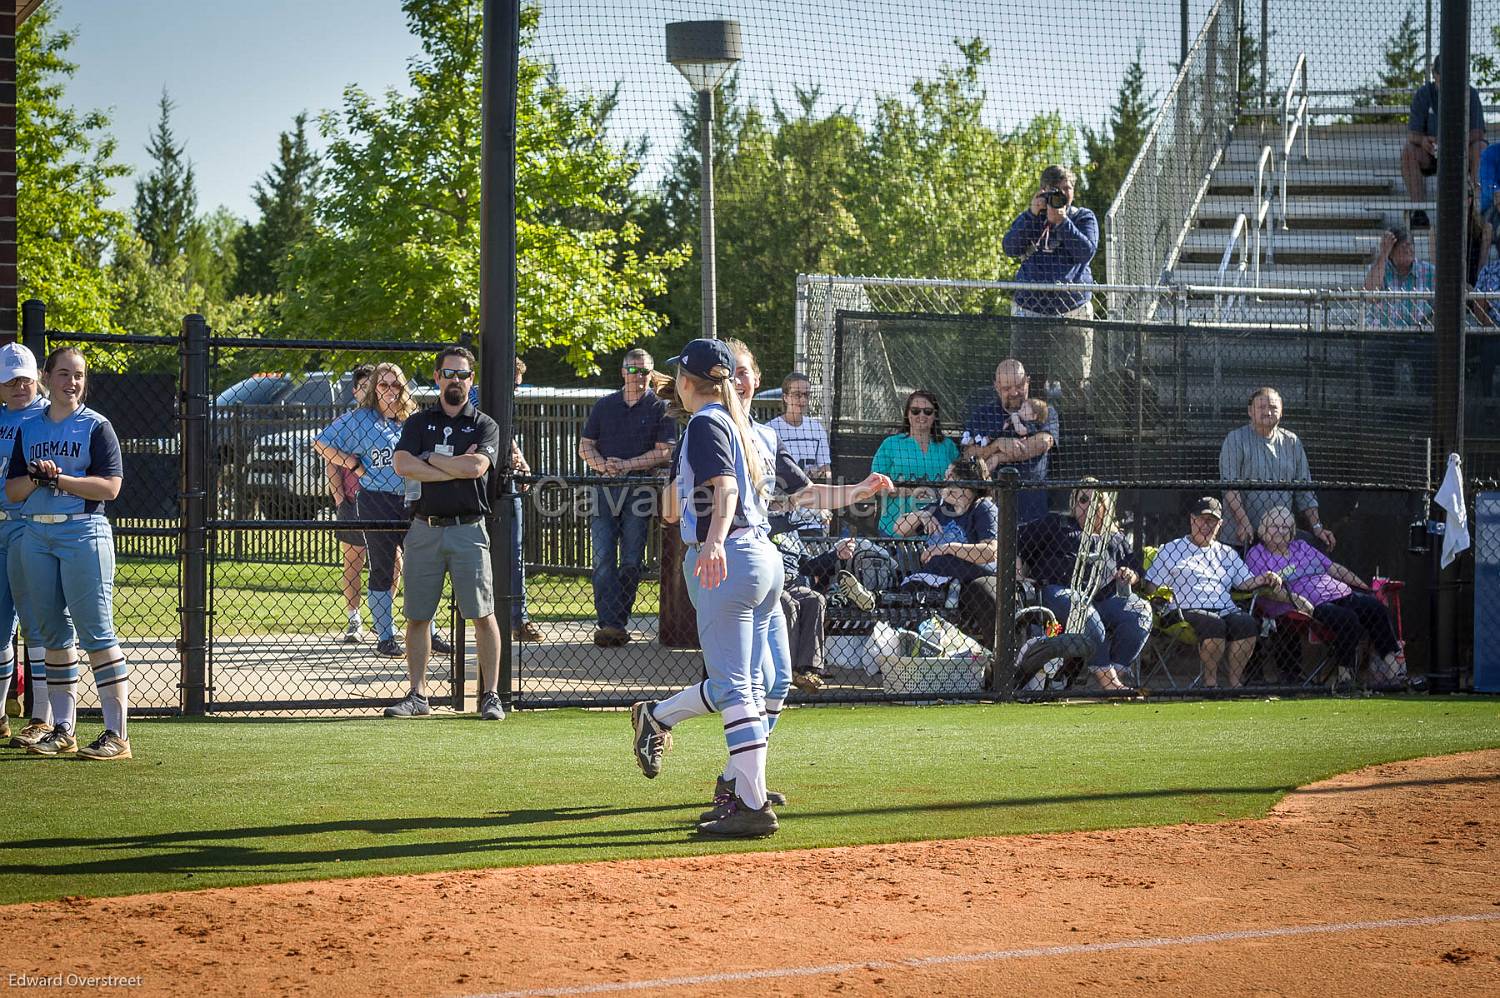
x=703, y=51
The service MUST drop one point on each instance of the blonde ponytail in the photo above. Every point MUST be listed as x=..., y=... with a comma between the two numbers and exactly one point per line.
x=723, y=392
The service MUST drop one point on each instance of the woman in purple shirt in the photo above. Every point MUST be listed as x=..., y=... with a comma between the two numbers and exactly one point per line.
x=1327, y=590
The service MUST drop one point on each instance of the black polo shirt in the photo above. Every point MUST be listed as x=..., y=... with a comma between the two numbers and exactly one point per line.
x=423, y=433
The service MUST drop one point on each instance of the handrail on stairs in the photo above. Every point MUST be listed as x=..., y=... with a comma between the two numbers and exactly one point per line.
x=1265, y=182
x=1291, y=124
x=1239, y=235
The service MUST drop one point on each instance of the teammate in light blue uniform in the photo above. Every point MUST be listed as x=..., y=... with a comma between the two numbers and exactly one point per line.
x=365, y=438
x=64, y=467
x=774, y=676
x=18, y=391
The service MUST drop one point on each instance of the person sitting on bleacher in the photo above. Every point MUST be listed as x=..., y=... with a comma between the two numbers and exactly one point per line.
x=961, y=531
x=1203, y=574
x=921, y=452
x=1396, y=268
x=1419, y=151
x=803, y=607
x=1489, y=183
x=1327, y=592
x=1013, y=429
x=1118, y=621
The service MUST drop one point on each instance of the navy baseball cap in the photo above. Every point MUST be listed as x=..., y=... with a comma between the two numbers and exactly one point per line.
x=707, y=359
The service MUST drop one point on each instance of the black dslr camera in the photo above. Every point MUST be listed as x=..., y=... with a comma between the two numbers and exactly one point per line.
x=1055, y=198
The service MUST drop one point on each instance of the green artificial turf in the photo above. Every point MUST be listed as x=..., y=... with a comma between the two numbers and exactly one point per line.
x=235, y=801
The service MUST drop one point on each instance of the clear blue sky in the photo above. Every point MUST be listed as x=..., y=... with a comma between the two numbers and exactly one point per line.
x=239, y=70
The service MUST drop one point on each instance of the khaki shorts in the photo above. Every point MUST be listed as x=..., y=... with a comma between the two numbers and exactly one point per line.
x=463, y=554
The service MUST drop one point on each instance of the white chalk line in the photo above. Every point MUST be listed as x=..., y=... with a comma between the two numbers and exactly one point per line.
x=992, y=956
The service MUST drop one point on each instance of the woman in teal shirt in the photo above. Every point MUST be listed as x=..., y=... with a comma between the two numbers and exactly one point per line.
x=922, y=453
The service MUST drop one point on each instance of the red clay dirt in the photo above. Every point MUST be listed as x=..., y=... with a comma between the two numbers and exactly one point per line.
x=1406, y=840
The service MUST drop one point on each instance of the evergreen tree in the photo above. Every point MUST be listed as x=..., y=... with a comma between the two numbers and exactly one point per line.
x=285, y=196
x=1404, y=70
x=64, y=165
x=166, y=199
x=1249, y=75
x=1112, y=150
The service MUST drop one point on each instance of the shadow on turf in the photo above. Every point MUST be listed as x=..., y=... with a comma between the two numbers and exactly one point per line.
x=206, y=850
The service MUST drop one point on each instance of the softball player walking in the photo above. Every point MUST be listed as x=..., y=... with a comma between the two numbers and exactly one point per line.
x=773, y=673
x=737, y=574
x=366, y=439
x=18, y=392
x=65, y=465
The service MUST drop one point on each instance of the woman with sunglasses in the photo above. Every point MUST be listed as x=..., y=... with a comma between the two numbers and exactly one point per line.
x=919, y=453
x=364, y=440
x=1118, y=622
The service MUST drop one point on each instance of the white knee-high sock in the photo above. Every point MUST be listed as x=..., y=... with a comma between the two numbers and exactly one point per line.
x=62, y=683
x=684, y=705
x=112, y=680
x=745, y=734
x=36, y=672
x=772, y=713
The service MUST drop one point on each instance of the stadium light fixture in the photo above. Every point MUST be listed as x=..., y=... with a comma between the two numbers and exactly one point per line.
x=703, y=52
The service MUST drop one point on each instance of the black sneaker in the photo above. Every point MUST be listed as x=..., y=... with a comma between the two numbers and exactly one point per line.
x=742, y=823
x=412, y=705
x=489, y=707
x=1419, y=220
x=389, y=648
x=651, y=739
x=724, y=795
x=440, y=646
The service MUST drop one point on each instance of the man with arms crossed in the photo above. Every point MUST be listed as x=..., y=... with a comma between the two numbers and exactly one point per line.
x=450, y=449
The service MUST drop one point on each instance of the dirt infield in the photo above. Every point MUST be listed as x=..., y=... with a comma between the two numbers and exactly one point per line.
x=1278, y=906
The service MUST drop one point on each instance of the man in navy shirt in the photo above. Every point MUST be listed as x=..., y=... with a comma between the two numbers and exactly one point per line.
x=996, y=433
x=628, y=434
x=1419, y=151
x=1055, y=242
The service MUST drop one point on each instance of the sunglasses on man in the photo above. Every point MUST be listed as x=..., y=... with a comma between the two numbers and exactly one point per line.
x=636, y=370
x=457, y=373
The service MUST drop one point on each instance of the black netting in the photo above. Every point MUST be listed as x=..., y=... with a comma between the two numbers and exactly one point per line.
x=1137, y=402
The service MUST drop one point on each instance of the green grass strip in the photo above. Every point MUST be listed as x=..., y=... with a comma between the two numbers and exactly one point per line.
x=239, y=801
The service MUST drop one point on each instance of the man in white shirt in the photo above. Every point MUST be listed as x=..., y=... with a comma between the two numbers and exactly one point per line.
x=1201, y=572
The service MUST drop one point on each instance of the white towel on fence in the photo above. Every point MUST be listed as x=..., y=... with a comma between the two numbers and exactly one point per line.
x=1450, y=496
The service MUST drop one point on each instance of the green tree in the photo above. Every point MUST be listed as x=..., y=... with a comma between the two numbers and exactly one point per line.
x=1111, y=151
x=286, y=196
x=212, y=258
x=64, y=165
x=1249, y=74
x=942, y=188
x=166, y=199
x=1404, y=70
x=1486, y=65
x=396, y=250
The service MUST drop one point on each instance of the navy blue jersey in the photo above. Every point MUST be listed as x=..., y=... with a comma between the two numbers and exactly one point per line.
x=81, y=445
x=711, y=449
x=10, y=425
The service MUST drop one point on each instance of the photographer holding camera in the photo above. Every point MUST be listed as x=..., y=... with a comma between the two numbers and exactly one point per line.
x=1055, y=242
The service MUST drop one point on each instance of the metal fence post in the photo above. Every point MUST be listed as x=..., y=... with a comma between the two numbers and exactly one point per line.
x=34, y=328
x=1003, y=675
x=192, y=498
x=34, y=338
